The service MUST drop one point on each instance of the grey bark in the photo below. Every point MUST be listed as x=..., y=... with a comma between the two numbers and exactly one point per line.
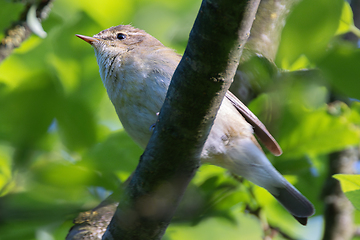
x=338, y=212
x=263, y=42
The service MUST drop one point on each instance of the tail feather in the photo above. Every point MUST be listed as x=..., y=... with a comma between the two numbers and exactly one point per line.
x=301, y=220
x=249, y=161
x=295, y=203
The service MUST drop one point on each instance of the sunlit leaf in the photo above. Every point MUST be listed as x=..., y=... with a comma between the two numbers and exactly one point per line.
x=350, y=185
x=301, y=63
x=319, y=133
x=5, y=172
x=346, y=20
x=246, y=226
x=67, y=70
x=348, y=182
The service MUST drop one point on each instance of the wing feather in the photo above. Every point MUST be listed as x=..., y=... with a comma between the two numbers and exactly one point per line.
x=259, y=128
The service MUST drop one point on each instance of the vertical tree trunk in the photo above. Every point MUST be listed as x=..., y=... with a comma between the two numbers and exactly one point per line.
x=338, y=213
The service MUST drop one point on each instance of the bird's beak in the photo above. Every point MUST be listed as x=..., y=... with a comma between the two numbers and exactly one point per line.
x=90, y=40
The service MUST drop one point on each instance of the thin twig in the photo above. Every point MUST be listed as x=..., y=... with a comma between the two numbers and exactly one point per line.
x=19, y=31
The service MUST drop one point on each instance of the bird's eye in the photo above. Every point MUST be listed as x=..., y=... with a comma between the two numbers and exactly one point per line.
x=121, y=36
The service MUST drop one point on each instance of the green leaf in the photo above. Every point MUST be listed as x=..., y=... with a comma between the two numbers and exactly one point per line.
x=5, y=171
x=119, y=10
x=341, y=66
x=319, y=132
x=116, y=153
x=76, y=123
x=300, y=63
x=9, y=12
x=355, y=113
x=350, y=185
x=28, y=110
x=348, y=182
x=308, y=30
x=306, y=125
x=346, y=19
x=247, y=226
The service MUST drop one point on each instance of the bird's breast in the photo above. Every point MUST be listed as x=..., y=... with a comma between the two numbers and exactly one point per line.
x=137, y=91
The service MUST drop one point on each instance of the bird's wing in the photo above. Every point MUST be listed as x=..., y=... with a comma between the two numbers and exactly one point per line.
x=259, y=128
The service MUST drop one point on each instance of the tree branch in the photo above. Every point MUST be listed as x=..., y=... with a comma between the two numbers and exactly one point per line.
x=19, y=31
x=194, y=96
x=266, y=32
x=264, y=41
x=338, y=211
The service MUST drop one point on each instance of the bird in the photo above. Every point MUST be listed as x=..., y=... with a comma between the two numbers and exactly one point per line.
x=136, y=70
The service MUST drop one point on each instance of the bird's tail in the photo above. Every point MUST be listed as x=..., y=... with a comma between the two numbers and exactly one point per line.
x=249, y=161
x=298, y=205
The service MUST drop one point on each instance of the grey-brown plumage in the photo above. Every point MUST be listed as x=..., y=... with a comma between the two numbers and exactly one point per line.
x=136, y=70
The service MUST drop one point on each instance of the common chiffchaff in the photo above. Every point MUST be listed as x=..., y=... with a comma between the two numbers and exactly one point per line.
x=136, y=70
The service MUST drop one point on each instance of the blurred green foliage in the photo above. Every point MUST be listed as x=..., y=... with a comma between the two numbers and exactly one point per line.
x=62, y=148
